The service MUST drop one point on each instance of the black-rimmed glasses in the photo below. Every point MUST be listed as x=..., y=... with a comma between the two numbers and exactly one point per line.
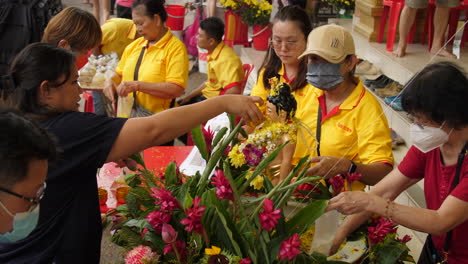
x=34, y=201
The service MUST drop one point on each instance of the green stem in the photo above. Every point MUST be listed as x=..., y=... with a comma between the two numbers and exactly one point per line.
x=176, y=252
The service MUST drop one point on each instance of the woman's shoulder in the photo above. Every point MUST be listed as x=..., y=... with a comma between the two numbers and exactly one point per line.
x=76, y=122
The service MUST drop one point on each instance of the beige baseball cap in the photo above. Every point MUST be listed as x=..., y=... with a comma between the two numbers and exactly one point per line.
x=331, y=42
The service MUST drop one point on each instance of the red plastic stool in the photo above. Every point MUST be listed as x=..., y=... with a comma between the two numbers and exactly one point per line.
x=453, y=22
x=392, y=7
x=89, y=103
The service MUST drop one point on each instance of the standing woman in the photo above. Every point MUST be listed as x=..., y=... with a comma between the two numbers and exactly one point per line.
x=45, y=87
x=160, y=58
x=291, y=26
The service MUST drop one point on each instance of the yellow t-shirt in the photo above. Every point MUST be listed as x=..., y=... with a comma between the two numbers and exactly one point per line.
x=224, y=71
x=117, y=33
x=260, y=90
x=356, y=130
x=165, y=61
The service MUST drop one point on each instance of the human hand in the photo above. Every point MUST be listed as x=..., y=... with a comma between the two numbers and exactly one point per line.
x=125, y=88
x=244, y=106
x=351, y=202
x=109, y=89
x=184, y=100
x=328, y=166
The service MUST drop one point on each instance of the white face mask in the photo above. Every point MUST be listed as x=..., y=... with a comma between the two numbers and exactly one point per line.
x=427, y=138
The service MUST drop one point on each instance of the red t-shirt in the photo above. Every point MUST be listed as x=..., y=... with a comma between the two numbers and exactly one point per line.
x=438, y=180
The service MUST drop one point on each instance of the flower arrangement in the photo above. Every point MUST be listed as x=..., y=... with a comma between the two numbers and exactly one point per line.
x=345, y=5
x=252, y=12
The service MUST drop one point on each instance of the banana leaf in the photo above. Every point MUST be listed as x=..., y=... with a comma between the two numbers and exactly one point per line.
x=306, y=216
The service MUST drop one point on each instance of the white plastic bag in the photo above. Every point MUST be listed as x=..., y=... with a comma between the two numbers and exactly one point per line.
x=124, y=106
x=325, y=229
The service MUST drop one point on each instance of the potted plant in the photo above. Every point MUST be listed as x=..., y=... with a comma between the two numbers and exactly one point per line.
x=257, y=14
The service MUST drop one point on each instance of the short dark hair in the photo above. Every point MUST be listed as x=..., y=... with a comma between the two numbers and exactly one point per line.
x=36, y=63
x=213, y=27
x=153, y=7
x=21, y=141
x=440, y=93
x=284, y=100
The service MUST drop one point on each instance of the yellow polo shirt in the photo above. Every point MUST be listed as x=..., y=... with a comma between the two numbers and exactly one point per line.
x=260, y=90
x=165, y=61
x=117, y=33
x=356, y=130
x=224, y=70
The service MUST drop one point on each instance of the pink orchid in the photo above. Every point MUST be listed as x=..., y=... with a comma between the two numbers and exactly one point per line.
x=165, y=200
x=405, y=239
x=194, y=214
x=337, y=183
x=157, y=219
x=140, y=255
x=378, y=233
x=289, y=248
x=223, y=187
x=169, y=235
x=269, y=217
x=245, y=261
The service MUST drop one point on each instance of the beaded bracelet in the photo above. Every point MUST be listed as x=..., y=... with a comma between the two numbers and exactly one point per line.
x=388, y=210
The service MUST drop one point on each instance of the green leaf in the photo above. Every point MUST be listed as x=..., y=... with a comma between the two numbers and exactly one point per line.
x=306, y=216
x=139, y=223
x=199, y=140
x=133, y=205
x=132, y=179
x=228, y=231
x=149, y=178
x=219, y=136
x=138, y=158
x=155, y=240
x=188, y=201
x=171, y=174
x=127, y=238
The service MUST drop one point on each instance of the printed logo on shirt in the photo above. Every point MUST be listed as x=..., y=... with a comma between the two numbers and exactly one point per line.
x=212, y=80
x=345, y=128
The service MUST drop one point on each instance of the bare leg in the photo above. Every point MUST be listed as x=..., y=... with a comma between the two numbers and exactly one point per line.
x=105, y=11
x=441, y=17
x=96, y=10
x=211, y=8
x=406, y=21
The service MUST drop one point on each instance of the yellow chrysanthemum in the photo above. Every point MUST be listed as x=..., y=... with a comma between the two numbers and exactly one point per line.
x=256, y=183
x=237, y=157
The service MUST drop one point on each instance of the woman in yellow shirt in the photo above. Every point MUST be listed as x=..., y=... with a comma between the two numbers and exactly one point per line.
x=163, y=67
x=291, y=26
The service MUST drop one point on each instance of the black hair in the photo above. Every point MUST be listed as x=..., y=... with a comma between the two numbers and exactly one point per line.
x=213, y=27
x=21, y=141
x=438, y=92
x=36, y=63
x=272, y=63
x=284, y=100
x=153, y=7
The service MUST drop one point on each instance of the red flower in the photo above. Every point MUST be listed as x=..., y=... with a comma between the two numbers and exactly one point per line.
x=305, y=189
x=157, y=219
x=337, y=183
x=405, y=239
x=378, y=233
x=290, y=247
x=169, y=235
x=193, y=220
x=165, y=200
x=223, y=187
x=245, y=261
x=269, y=217
x=352, y=177
x=143, y=233
x=208, y=134
x=181, y=248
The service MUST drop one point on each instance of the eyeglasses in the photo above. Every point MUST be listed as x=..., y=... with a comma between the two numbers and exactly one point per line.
x=34, y=201
x=277, y=44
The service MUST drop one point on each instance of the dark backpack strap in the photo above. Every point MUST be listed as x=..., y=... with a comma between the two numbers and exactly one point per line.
x=137, y=69
x=318, y=130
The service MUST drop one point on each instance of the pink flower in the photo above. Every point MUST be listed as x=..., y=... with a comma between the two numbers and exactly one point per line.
x=208, y=134
x=245, y=261
x=290, y=247
x=157, y=219
x=269, y=217
x=140, y=255
x=337, y=183
x=378, y=233
x=193, y=220
x=165, y=200
x=405, y=239
x=305, y=189
x=227, y=150
x=181, y=248
x=169, y=235
x=253, y=155
x=223, y=187
x=143, y=233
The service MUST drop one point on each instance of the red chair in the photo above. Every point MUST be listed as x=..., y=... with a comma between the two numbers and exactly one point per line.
x=89, y=103
x=453, y=22
x=392, y=8
x=248, y=68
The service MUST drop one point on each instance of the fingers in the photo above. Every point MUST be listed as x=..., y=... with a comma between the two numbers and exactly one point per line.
x=109, y=93
x=256, y=99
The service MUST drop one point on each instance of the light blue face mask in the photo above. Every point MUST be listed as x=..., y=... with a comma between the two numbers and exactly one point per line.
x=325, y=76
x=23, y=224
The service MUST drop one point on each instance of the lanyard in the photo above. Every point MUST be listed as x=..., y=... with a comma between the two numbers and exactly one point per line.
x=318, y=130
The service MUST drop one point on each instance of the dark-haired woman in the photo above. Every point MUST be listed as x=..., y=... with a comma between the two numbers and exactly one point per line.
x=45, y=86
x=163, y=67
x=436, y=98
x=291, y=26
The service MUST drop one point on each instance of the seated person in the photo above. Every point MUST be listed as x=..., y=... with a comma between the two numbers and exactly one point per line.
x=117, y=33
x=225, y=71
x=25, y=151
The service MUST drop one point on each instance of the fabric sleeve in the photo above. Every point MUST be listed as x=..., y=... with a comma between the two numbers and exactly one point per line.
x=232, y=73
x=374, y=140
x=177, y=65
x=413, y=164
x=260, y=91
